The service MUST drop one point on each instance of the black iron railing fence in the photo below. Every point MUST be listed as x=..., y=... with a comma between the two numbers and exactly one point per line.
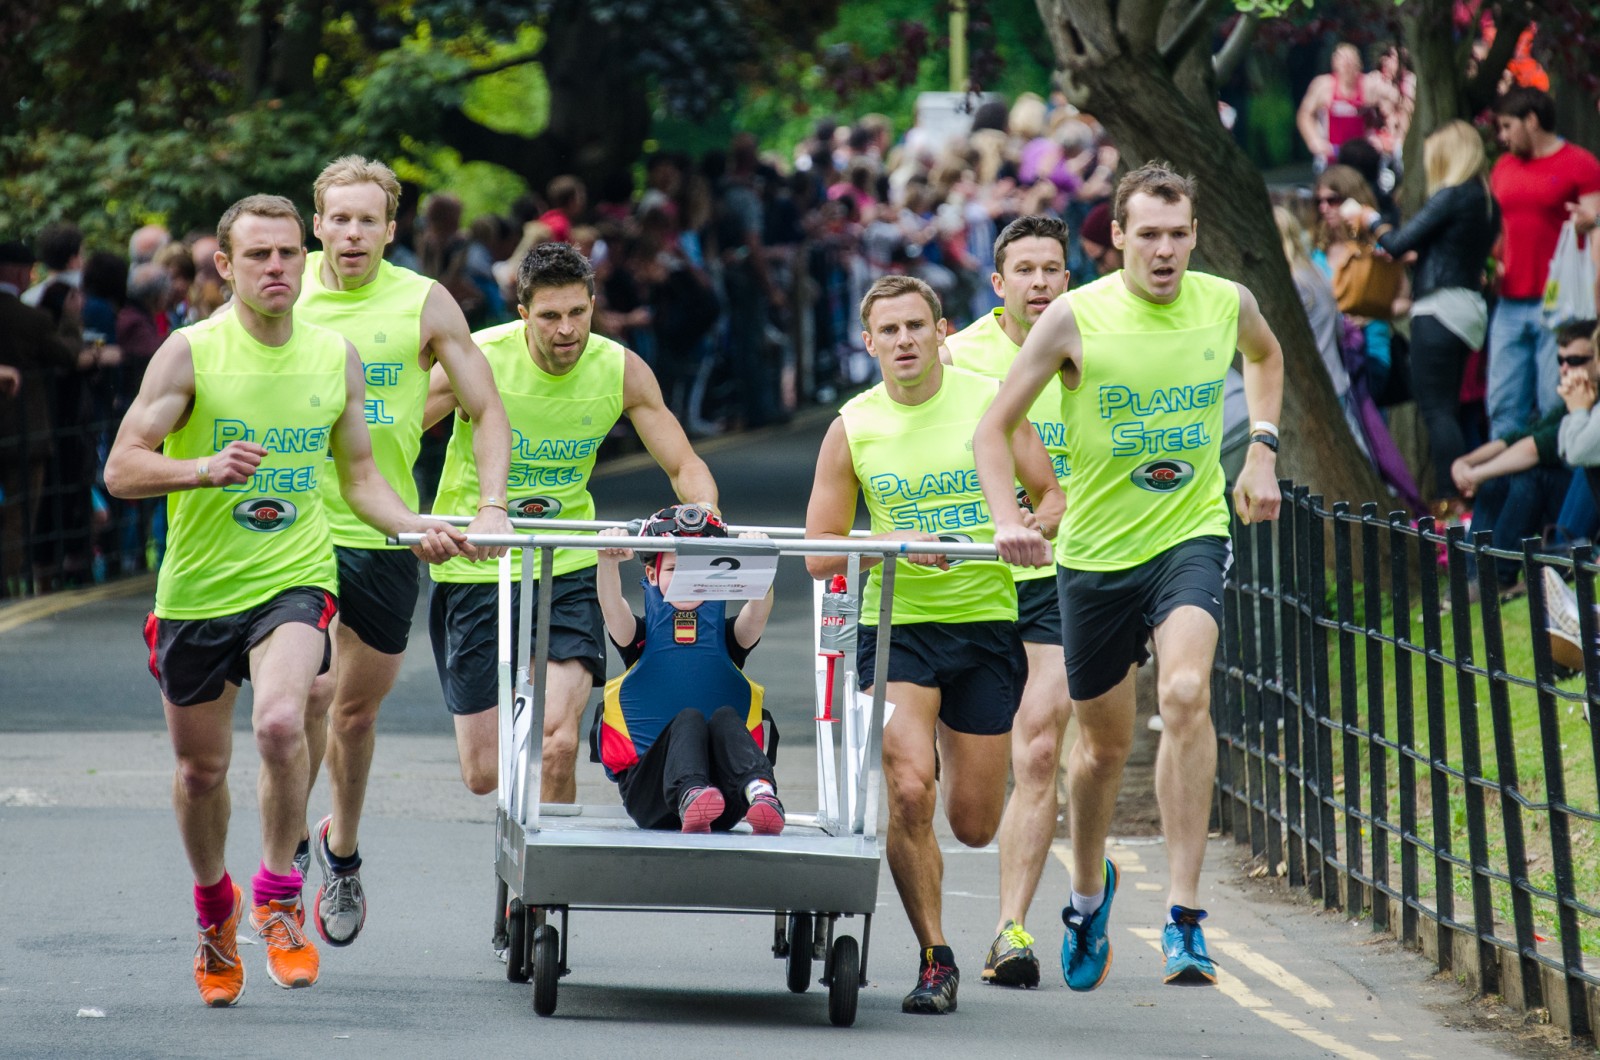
x=1445, y=790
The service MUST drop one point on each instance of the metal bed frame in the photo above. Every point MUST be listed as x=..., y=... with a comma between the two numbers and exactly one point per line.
x=552, y=858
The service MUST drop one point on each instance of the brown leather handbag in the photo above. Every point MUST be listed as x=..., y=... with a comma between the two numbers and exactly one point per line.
x=1366, y=285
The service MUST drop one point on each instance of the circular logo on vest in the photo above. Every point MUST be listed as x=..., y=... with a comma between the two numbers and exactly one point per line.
x=1163, y=476
x=956, y=539
x=536, y=508
x=265, y=514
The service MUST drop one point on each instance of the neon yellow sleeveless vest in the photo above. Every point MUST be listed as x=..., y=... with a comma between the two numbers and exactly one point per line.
x=235, y=547
x=557, y=425
x=383, y=320
x=1144, y=425
x=985, y=348
x=915, y=466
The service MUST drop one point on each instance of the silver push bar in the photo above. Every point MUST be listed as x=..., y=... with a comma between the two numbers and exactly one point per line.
x=525, y=523
x=804, y=546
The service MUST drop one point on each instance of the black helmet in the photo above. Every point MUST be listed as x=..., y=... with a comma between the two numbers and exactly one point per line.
x=680, y=520
x=683, y=520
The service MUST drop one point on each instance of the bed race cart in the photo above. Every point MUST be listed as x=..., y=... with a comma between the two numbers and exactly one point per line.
x=820, y=873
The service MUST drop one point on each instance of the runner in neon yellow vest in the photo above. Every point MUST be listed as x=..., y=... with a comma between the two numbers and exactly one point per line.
x=1142, y=354
x=233, y=421
x=402, y=324
x=1030, y=261
x=956, y=664
x=564, y=388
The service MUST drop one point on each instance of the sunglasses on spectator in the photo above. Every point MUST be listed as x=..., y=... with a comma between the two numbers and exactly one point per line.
x=1329, y=200
x=1574, y=362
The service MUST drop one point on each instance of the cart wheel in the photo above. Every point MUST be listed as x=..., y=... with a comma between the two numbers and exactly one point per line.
x=844, y=980
x=546, y=968
x=517, y=942
x=799, y=963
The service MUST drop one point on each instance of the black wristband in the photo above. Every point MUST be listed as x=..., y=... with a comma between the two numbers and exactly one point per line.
x=1268, y=440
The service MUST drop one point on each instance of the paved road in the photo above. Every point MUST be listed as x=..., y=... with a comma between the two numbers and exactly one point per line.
x=96, y=937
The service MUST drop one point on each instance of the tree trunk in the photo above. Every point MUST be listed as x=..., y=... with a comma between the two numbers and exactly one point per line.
x=599, y=112
x=278, y=45
x=1440, y=65
x=1576, y=116
x=1446, y=88
x=1154, y=108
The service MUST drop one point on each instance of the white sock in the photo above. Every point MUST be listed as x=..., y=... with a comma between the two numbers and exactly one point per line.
x=758, y=787
x=1087, y=904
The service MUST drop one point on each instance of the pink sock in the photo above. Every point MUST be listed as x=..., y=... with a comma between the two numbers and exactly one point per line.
x=268, y=886
x=214, y=904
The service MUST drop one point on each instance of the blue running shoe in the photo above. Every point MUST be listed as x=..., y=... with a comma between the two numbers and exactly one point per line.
x=1185, y=946
x=1086, y=948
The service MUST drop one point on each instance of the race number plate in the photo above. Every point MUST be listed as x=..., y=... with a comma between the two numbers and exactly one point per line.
x=706, y=576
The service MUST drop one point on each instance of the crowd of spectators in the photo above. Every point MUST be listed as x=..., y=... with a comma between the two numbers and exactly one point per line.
x=1475, y=334
x=80, y=330
x=736, y=275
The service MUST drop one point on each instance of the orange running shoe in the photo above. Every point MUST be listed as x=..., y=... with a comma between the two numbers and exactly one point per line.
x=218, y=971
x=291, y=957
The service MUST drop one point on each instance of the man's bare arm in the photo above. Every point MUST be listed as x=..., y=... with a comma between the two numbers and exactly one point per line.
x=441, y=397
x=365, y=489
x=1052, y=343
x=136, y=468
x=1256, y=494
x=448, y=339
x=832, y=509
x=1038, y=476
x=663, y=435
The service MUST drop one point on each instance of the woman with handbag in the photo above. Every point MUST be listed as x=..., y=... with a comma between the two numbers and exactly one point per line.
x=1369, y=290
x=1328, y=328
x=1450, y=237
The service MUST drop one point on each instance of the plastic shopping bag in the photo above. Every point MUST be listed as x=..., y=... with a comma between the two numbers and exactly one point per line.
x=1569, y=292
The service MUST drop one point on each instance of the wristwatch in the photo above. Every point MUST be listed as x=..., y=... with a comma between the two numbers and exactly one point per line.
x=1267, y=439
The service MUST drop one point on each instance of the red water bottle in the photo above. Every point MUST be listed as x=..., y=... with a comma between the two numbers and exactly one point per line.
x=839, y=613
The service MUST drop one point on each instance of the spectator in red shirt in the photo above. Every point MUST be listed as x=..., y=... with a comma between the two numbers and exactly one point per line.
x=1539, y=182
x=567, y=201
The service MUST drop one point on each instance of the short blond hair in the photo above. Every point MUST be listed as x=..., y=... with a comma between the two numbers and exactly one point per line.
x=1027, y=118
x=353, y=169
x=893, y=286
x=1453, y=154
x=256, y=206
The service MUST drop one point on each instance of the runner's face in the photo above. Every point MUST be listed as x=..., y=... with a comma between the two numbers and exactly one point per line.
x=1035, y=274
x=268, y=257
x=558, y=325
x=1156, y=245
x=354, y=228
x=903, y=336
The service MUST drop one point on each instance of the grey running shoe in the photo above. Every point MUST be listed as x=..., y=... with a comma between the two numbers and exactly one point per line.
x=1011, y=960
x=341, y=905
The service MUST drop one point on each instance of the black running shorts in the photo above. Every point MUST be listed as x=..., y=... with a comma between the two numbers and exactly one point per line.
x=1038, y=611
x=377, y=594
x=979, y=669
x=462, y=622
x=194, y=659
x=1107, y=616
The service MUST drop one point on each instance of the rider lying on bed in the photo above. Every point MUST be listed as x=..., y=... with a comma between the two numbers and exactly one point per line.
x=681, y=729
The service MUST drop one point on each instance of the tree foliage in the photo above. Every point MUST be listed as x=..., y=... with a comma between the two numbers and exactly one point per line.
x=122, y=111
